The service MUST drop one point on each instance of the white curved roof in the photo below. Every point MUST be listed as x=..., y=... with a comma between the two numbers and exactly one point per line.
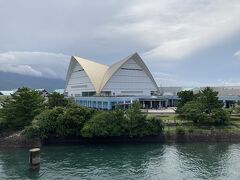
x=95, y=71
x=100, y=74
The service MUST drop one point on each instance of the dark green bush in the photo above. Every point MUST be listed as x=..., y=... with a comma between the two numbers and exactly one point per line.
x=70, y=123
x=55, y=100
x=44, y=124
x=220, y=116
x=205, y=109
x=77, y=121
x=59, y=121
x=191, y=130
x=180, y=130
x=32, y=131
x=154, y=126
x=103, y=124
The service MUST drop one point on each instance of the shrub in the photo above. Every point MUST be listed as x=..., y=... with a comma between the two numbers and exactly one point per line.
x=77, y=121
x=102, y=125
x=154, y=126
x=71, y=121
x=193, y=111
x=59, y=121
x=44, y=124
x=191, y=130
x=220, y=116
x=180, y=130
x=55, y=99
x=32, y=131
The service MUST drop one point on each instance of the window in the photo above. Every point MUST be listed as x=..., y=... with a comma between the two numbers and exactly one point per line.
x=131, y=92
x=79, y=86
x=132, y=69
x=90, y=93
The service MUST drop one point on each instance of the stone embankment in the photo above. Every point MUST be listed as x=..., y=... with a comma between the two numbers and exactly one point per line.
x=163, y=138
x=15, y=140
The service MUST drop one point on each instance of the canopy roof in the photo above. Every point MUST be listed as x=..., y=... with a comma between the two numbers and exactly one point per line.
x=100, y=74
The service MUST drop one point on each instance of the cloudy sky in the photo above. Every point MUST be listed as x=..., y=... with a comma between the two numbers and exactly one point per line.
x=184, y=43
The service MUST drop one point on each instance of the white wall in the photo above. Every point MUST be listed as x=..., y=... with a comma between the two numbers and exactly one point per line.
x=130, y=82
x=78, y=81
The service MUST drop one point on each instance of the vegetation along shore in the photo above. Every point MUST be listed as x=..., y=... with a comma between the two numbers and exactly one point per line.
x=27, y=119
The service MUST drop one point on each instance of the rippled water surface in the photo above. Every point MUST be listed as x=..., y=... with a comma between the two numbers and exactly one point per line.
x=124, y=161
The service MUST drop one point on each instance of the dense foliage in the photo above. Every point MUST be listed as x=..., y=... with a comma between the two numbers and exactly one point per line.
x=204, y=108
x=60, y=122
x=19, y=110
x=77, y=121
x=185, y=96
x=55, y=100
x=101, y=125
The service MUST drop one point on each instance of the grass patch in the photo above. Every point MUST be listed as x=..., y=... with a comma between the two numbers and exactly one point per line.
x=190, y=127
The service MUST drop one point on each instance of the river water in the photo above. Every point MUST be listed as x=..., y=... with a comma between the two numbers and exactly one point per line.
x=126, y=161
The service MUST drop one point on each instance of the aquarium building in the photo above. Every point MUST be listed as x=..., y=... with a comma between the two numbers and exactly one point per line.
x=99, y=86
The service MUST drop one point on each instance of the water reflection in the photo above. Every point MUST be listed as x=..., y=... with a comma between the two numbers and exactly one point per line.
x=105, y=161
x=124, y=161
x=203, y=160
x=14, y=165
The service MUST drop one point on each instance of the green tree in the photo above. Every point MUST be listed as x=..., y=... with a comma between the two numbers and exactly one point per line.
x=20, y=109
x=185, y=96
x=208, y=98
x=70, y=123
x=102, y=124
x=44, y=124
x=237, y=107
x=59, y=122
x=154, y=126
x=55, y=99
x=205, y=109
x=135, y=120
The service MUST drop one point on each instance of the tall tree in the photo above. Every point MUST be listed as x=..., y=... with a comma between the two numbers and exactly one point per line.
x=209, y=99
x=205, y=108
x=55, y=99
x=20, y=109
x=135, y=120
x=185, y=96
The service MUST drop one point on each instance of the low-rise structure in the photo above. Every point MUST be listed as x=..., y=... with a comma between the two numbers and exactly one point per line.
x=8, y=93
x=60, y=91
x=43, y=92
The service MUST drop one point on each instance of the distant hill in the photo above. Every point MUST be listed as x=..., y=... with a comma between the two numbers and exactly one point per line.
x=10, y=81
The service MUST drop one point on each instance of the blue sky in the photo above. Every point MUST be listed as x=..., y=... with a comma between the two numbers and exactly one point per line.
x=184, y=43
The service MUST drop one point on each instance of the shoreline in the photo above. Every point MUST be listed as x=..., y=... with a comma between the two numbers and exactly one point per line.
x=18, y=141
x=163, y=138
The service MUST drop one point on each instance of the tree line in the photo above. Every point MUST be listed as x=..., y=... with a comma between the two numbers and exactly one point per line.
x=29, y=112
x=203, y=107
x=26, y=110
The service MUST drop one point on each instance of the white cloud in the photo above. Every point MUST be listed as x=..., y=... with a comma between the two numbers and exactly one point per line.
x=228, y=82
x=40, y=64
x=166, y=79
x=175, y=29
x=237, y=54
